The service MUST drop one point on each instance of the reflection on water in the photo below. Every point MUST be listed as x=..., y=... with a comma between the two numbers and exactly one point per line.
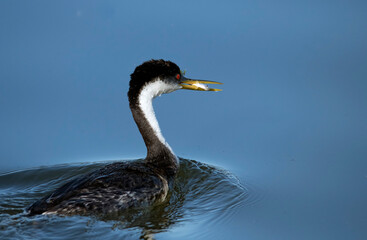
x=201, y=193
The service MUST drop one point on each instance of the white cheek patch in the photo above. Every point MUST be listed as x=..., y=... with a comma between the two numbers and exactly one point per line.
x=147, y=94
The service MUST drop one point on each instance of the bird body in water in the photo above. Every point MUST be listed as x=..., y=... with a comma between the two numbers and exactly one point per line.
x=119, y=186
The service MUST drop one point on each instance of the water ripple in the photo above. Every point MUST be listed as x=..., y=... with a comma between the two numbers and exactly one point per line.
x=201, y=193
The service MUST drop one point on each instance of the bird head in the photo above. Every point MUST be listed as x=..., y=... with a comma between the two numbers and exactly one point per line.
x=163, y=77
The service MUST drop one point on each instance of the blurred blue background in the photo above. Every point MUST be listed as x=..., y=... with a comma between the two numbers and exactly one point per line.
x=291, y=120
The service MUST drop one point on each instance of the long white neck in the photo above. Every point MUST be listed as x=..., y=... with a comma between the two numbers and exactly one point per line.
x=149, y=92
x=145, y=102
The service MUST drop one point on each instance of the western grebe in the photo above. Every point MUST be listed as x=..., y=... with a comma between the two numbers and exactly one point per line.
x=122, y=185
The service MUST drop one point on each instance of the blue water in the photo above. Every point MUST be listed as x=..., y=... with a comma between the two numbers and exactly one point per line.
x=290, y=125
x=202, y=194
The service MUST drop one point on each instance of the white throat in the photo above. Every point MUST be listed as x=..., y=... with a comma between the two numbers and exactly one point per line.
x=146, y=96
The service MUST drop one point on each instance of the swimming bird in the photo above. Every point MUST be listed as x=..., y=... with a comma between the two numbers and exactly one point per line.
x=122, y=185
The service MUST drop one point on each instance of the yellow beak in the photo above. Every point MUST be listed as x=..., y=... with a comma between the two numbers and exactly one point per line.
x=198, y=85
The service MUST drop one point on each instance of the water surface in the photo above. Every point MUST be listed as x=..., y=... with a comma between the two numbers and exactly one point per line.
x=202, y=194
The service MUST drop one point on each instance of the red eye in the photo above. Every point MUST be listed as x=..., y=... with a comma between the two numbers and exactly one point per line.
x=178, y=76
